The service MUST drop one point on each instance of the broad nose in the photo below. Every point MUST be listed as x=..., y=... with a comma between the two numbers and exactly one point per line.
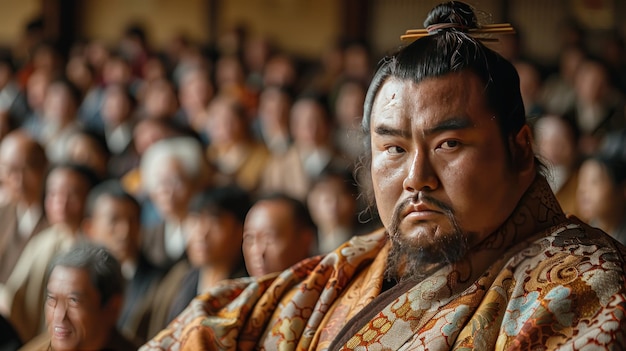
x=60, y=312
x=421, y=175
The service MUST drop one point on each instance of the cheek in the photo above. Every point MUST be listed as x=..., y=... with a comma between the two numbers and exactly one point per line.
x=387, y=181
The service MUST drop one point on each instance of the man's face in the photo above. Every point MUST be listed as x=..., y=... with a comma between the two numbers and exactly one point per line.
x=596, y=195
x=74, y=316
x=171, y=189
x=213, y=239
x=21, y=173
x=271, y=242
x=439, y=166
x=115, y=224
x=66, y=192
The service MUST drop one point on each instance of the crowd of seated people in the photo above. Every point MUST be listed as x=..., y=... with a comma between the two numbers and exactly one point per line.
x=192, y=166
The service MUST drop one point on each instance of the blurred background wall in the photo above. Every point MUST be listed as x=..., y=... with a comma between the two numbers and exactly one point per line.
x=303, y=27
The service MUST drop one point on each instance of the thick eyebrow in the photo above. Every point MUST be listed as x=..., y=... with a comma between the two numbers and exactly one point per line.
x=455, y=123
x=389, y=131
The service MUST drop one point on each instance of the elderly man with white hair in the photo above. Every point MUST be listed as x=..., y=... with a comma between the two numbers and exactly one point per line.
x=171, y=172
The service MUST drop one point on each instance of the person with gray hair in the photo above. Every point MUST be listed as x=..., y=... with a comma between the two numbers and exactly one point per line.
x=84, y=296
x=172, y=171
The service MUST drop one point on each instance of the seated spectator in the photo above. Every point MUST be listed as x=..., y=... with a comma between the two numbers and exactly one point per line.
x=311, y=153
x=555, y=141
x=602, y=194
x=599, y=106
x=23, y=165
x=145, y=133
x=58, y=120
x=278, y=232
x=348, y=112
x=333, y=205
x=112, y=220
x=237, y=157
x=83, y=298
x=271, y=126
x=21, y=297
x=87, y=148
x=118, y=111
x=175, y=169
x=195, y=92
x=214, y=229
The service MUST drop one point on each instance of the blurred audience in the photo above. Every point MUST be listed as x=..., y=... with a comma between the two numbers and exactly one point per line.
x=214, y=230
x=22, y=296
x=112, y=219
x=602, y=194
x=171, y=173
x=23, y=167
x=237, y=157
x=555, y=141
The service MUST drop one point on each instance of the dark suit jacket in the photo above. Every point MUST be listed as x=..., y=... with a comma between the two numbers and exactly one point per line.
x=140, y=291
x=153, y=246
x=11, y=242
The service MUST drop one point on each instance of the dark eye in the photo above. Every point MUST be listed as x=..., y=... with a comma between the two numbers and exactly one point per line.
x=394, y=150
x=449, y=144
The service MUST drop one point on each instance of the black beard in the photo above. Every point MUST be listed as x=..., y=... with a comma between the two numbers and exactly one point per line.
x=407, y=261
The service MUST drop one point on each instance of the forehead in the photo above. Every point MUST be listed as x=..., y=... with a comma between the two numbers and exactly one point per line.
x=70, y=280
x=453, y=95
x=270, y=213
x=65, y=177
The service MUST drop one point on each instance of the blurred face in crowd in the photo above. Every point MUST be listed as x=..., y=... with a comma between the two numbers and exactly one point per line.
x=555, y=141
x=213, y=239
x=114, y=224
x=171, y=189
x=59, y=105
x=225, y=127
x=274, y=107
x=75, y=317
x=441, y=174
x=597, y=195
x=349, y=106
x=331, y=205
x=22, y=168
x=116, y=108
x=309, y=126
x=160, y=100
x=84, y=150
x=271, y=240
x=66, y=192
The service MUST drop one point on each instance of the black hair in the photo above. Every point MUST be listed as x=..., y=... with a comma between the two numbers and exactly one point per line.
x=105, y=272
x=301, y=215
x=112, y=188
x=217, y=201
x=89, y=176
x=450, y=50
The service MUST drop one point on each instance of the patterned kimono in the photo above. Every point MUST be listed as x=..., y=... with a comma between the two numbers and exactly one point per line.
x=540, y=282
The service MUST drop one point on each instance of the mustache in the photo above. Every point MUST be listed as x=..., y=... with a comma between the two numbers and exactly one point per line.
x=409, y=201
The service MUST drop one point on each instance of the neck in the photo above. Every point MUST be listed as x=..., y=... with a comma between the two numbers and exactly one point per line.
x=212, y=274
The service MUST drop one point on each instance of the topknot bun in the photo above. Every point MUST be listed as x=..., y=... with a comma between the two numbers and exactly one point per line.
x=457, y=13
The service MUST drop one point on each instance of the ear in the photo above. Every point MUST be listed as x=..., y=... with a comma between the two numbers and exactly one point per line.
x=522, y=152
